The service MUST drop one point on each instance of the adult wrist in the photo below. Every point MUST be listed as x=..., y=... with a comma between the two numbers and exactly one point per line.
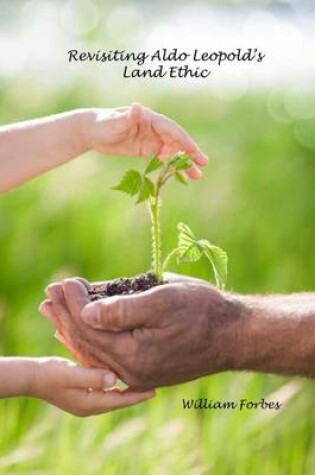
x=225, y=335
x=275, y=338
x=249, y=346
x=242, y=333
x=258, y=339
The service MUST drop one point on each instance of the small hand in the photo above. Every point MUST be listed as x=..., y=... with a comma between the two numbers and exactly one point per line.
x=167, y=335
x=139, y=131
x=79, y=390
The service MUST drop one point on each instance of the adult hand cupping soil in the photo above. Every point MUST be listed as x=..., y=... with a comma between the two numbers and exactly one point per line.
x=167, y=335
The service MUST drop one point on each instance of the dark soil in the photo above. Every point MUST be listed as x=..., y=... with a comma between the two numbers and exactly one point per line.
x=124, y=286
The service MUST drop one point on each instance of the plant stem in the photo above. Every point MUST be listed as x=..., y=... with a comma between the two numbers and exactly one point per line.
x=156, y=237
x=169, y=257
x=154, y=205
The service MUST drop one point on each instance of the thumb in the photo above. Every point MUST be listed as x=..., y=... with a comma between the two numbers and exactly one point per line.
x=96, y=379
x=119, y=313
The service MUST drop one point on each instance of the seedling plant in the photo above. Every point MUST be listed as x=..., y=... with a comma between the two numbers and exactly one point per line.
x=147, y=187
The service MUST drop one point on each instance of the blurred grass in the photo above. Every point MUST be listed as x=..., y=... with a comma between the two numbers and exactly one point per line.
x=257, y=200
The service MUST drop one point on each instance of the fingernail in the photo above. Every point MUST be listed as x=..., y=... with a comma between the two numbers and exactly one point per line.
x=91, y=313
x=194, y=173
x=59, y=337
x=109, y=379
x=44, y=309
x=202, y=159
x=48, y=289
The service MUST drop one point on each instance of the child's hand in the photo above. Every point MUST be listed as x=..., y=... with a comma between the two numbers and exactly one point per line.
x=139, y=131
x=79, y=390
x=30, y=148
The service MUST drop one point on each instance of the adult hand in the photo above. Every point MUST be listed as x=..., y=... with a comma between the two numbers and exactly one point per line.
x=167, y=335
x=138, y=131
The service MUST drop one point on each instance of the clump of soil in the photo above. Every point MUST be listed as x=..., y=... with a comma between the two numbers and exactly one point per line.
x=123, y=286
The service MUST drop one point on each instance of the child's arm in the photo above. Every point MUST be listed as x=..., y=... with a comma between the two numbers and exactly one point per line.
x=62, y=383
x=30, y=148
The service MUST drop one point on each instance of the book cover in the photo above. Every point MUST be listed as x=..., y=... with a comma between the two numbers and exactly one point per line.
x=164, y=152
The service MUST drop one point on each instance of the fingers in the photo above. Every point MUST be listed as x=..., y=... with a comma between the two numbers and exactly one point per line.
x=59, y=336
x=121, y=312
x=53, y=311
x=83, y=281
x=90, y=347
x=166, y=151
x=76, y=299
x=97, y=379
x=173, y=137
x=173, y=134
x=76, y=295
x=98, y=402
x=111, y=314
x=68, y=297
x=199, y=158
x=55, y=293
x=59, y=315
x=46, y=309
x=193, y=172
x=77, y=286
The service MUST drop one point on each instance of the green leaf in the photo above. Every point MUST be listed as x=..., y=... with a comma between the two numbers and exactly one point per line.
x=154, y=164
x=130, y=183
x=185, y=234
x=191, y=249
x=189, y=254
x=146, y=190
x=179, y=177
x=219, y=262
x=183, y=163
x=188, y=249
x=180, y=161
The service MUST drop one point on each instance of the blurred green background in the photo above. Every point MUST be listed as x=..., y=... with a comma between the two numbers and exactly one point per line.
x=257, y=201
